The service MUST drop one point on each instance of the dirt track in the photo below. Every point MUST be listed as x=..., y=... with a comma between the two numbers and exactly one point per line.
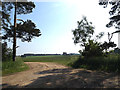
x=51, y=75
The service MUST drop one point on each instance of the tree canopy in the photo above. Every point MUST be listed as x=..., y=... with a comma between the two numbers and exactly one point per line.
x=5, y=16
x=92, y=47
x=114, y=12
x=84, y=31
x=25, y=30
x=83, y=35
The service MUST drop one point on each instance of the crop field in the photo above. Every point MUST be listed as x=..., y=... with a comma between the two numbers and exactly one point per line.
x=61, y=59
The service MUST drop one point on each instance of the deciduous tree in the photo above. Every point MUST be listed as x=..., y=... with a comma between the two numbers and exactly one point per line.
x=84, y=31
x=83, y=35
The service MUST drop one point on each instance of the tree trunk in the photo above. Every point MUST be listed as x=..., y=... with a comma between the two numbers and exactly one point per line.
x=14, y=34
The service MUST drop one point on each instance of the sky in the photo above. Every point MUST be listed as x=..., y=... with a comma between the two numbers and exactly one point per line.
x=57, y=19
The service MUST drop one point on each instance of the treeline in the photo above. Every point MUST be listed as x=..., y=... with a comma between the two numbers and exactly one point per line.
x=47, y=54
x=37, y=55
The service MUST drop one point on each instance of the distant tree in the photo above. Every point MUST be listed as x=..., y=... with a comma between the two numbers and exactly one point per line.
x=64, y=53
x=25, y=30
x=114, y=12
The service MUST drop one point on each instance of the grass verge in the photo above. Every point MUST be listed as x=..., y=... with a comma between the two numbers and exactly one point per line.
x=108, y=64
x=10, y=67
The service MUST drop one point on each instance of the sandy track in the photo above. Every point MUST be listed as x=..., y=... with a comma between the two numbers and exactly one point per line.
x=52, y=75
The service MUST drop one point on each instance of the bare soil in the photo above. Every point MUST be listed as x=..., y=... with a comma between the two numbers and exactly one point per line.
x=52, y=75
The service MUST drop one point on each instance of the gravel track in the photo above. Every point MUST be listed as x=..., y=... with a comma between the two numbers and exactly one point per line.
x=52, y=75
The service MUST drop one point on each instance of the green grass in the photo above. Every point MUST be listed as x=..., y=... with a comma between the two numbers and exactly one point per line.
x=10, y=67
x=65, y=60
x=109, y=64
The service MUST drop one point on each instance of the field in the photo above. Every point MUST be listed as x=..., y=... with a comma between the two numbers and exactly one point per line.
x=109, y=64
x=10, y=67
x=65, y=60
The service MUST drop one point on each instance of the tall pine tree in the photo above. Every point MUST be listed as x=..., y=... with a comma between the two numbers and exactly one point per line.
x=25, y=30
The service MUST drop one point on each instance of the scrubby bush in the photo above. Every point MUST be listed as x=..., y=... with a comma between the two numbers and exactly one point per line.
x=6, y=52
x=109, y=64
x=92, y=49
